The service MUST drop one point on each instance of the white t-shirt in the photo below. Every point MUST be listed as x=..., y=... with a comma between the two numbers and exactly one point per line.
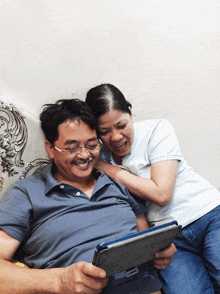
x=154, y=141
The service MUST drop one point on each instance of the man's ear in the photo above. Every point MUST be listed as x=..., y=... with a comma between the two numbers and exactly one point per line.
x=49, y=148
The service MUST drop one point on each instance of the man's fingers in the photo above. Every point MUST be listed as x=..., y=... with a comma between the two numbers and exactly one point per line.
x=166, y=253
x=162, y=263
x=92, y=270
x=83, y=277
x=164, y=258
x=96, y=276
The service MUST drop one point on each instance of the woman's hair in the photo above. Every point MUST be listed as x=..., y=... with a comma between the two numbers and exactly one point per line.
x=105, y=97
x=55, y=114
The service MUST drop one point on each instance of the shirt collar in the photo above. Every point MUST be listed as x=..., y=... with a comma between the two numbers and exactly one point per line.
x=52, y=184
x=50, y=181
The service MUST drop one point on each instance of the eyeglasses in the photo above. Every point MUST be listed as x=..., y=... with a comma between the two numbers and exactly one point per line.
x=90, y=148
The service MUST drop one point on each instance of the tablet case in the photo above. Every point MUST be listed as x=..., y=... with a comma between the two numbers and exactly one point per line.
x=134, y=249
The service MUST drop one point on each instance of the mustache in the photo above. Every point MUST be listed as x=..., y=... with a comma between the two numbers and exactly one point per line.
x=82, y=161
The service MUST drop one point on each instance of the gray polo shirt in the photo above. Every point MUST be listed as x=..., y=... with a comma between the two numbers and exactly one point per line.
x=59, y=225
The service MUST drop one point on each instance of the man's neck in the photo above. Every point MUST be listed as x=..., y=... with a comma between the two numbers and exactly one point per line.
x=86, y=185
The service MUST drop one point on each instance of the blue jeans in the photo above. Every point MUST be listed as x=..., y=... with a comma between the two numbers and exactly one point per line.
x=195, y=268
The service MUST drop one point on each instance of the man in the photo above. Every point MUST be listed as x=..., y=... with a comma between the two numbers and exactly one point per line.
x=59, y=215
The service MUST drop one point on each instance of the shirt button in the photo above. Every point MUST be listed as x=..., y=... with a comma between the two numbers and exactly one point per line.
x=61, y=186
x=78, y=194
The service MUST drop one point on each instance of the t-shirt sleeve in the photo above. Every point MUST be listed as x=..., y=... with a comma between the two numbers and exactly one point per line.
x=15, y=213
x=163, y=144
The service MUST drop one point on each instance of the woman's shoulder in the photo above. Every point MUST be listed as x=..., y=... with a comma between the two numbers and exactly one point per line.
x=152, y=125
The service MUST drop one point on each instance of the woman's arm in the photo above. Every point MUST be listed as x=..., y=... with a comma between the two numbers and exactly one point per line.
x=158, y=189
x=81, y=277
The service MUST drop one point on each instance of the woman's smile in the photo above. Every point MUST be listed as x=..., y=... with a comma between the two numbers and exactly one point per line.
x=116, y=131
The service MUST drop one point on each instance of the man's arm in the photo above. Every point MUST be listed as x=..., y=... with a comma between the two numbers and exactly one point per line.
x=81, y=277
x=142, y=223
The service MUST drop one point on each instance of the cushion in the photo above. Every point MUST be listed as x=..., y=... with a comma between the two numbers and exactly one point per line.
x=22, y=150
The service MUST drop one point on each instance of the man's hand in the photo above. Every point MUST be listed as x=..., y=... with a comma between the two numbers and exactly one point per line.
x=164, y=258
x=83, y=277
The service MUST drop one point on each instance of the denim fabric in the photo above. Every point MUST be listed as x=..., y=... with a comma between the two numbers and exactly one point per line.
x=195, y=268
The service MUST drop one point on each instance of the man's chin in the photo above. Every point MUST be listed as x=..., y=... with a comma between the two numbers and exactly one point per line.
x=84, y=169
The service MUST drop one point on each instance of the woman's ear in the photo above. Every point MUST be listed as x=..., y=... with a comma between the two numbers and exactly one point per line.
x=49, y=148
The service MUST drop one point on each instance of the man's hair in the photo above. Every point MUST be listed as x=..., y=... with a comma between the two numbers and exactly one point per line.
x=55, y=114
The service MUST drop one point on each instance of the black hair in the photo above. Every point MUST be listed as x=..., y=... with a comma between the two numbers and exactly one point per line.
x=55, y=114
x=105, y=97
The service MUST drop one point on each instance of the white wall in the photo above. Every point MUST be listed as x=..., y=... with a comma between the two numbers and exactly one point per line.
x=163, y=55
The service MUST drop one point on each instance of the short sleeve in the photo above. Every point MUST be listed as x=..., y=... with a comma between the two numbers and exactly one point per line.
x=137, y=204
x=163, y=144
x=15, y=212
x=140, y=205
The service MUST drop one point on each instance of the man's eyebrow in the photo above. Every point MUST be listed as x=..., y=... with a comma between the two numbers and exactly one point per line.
x=69, y=142
x=93, y=139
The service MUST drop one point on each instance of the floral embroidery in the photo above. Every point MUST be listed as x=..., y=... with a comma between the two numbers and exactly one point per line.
x=13, y=138
x=13, y=141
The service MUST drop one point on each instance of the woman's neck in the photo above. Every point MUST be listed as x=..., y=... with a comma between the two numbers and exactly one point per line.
x=117, y=159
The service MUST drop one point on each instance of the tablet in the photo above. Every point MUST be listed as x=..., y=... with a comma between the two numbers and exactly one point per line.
x=134, y=249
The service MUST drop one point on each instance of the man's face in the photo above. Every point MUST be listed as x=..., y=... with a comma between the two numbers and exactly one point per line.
x=77, y=166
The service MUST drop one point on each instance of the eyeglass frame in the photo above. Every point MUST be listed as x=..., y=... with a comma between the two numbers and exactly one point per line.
x=71, y=152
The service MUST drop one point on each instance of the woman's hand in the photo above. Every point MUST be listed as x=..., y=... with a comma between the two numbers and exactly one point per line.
x=100, y=165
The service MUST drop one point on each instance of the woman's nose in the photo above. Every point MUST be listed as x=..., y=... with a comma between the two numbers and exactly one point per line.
x=116, y=136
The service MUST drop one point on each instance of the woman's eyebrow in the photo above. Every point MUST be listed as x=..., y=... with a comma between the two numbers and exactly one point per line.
x=117, y=123
x=120, y=122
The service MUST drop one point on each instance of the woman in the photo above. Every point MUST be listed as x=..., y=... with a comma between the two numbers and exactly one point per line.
x=146, y=158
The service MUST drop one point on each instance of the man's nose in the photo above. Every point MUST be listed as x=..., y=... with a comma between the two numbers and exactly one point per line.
x=83, y=152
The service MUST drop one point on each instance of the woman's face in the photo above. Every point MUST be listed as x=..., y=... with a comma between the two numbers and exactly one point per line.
x=116, y=131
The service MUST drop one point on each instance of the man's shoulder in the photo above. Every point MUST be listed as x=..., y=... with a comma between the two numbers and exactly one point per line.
x=36, y=178
x=105, y=154
x=106, y=180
